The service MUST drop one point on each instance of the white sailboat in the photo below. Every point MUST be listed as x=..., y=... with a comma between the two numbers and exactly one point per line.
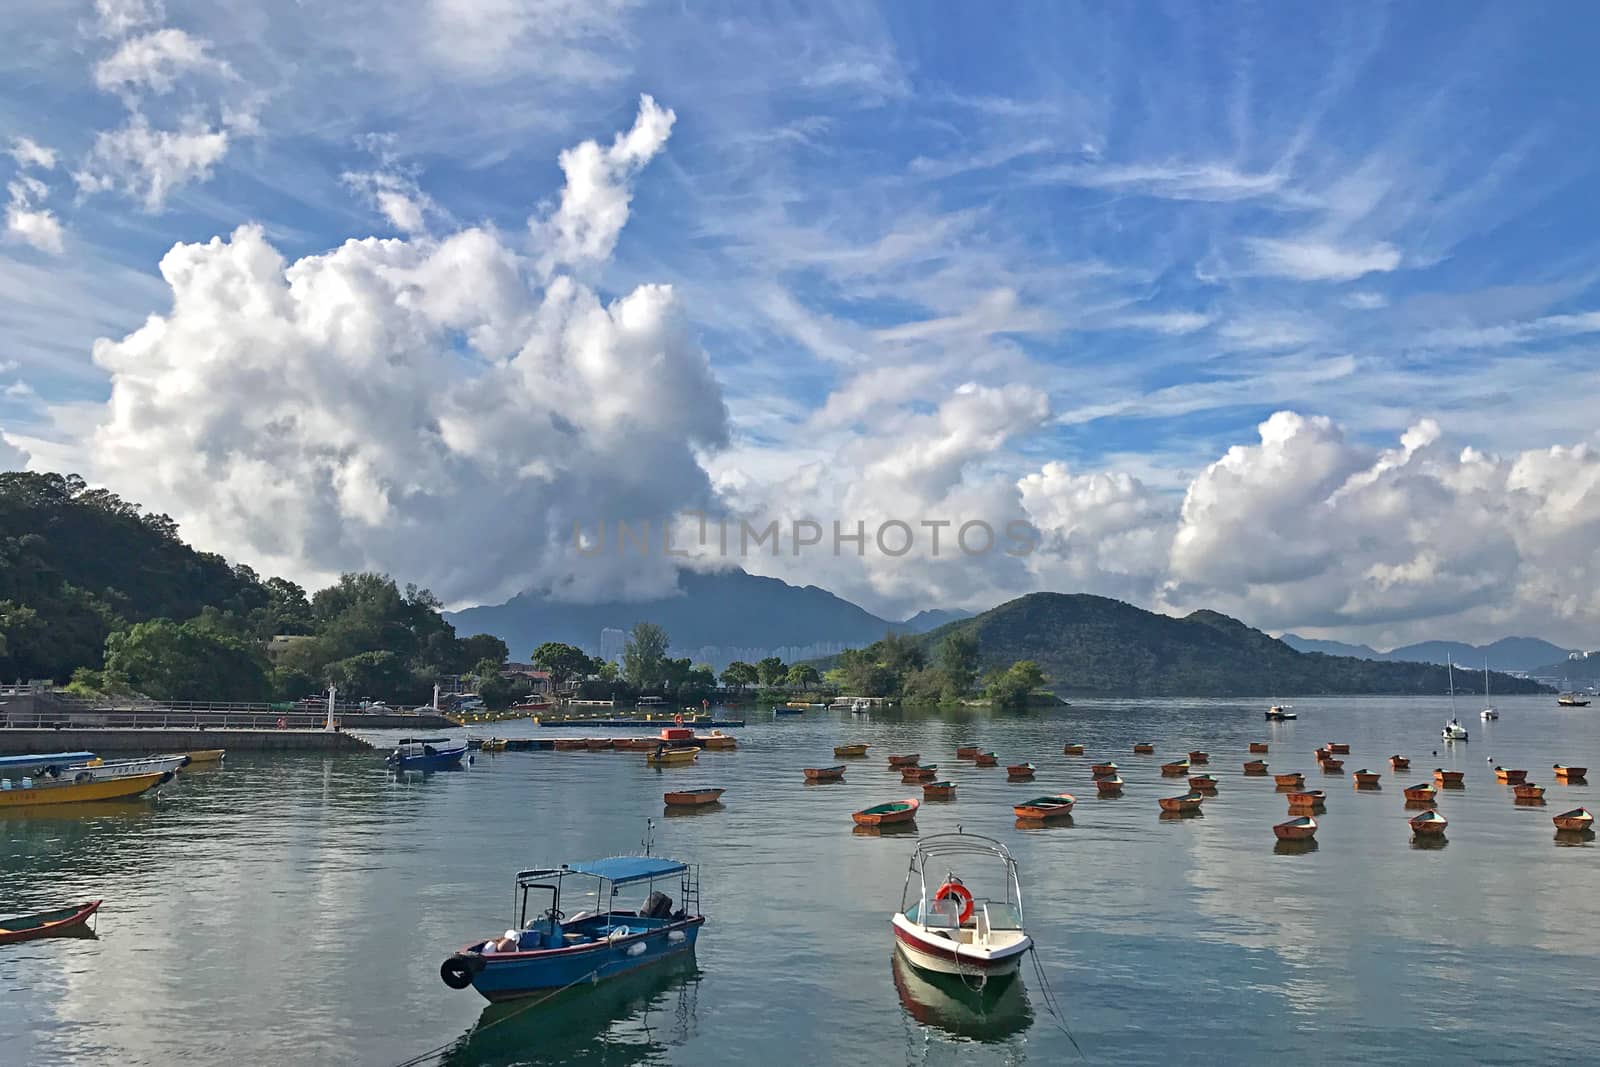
x=1488, y=711
x=1453, y=730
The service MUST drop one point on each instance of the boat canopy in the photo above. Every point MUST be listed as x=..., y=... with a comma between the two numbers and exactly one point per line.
x=424, y=741
x=618, y=870
x=46, y=758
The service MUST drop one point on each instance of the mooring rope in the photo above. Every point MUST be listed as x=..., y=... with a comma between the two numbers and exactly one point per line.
x=1051, y=1004
x=423, y=1057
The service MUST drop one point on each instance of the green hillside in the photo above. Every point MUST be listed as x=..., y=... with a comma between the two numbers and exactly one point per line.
x=1093, y=645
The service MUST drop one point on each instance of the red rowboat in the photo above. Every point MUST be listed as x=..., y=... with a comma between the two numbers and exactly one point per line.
x=1311, y=798
x=896, y=811
x=1199, y=757
x=1256, y=766
x=61, y=921
x=1337, y=749
x=939, y=791
x=825, y=774
x=1296, y=829
x=1366, y=778
x=1175, y=770
x=1448, y=779
x=1187, y=803
x=986, y=759
x=1332, y=766
x=1143, y=748
x=908, y=760
x=1508, y=776
x=1109, y=786
x=1528, y=791
x=688, y=798
x=1421, y=792
x=1020, y=771
x=1203, y=783
x=1293, y=779
x=966, y=751
x=1570, y=774
x=1576, y=819
x=1072, y=748
x=1399, y=763
x=1103, y=770
x=1430, y=823
x=1258, y=746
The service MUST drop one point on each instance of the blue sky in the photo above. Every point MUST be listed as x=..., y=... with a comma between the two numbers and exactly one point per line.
x=1168, y=222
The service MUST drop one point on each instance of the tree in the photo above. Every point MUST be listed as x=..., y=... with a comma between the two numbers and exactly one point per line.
x=479, y=647
x=371, y=676
x=771, y=671
x=739, y=674
x=644, y=657
x=608, y=671
x=1011, y=687
x=901, y=653
x=803, y=676
x=563, y=661
x=169, y=661
x=958, y=659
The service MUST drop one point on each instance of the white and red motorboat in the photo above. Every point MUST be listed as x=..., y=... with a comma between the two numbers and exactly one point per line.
x=945, y=927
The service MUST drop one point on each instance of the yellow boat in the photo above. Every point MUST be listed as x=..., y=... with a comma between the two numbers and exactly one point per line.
x=207, y=755
x=72, y=792
x=669, y=756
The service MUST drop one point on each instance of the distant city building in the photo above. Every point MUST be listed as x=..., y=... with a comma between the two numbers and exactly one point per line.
x=540, y=679
x=612, y=642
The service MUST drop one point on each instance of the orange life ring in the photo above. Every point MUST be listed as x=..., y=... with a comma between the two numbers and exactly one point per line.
x=961, y=892
x=678, y=719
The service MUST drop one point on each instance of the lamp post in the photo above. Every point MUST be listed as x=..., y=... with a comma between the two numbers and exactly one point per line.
x=333, y=691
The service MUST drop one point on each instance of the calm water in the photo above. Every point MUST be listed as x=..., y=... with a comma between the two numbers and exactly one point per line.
x=296, y=910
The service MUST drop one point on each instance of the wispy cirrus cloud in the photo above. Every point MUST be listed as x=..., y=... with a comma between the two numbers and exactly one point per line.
x=1311, y=260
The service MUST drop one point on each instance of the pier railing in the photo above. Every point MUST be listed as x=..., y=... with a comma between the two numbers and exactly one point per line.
x=65, y=711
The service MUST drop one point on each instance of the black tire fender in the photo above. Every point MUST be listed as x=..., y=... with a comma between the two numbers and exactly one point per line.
x=457, y=971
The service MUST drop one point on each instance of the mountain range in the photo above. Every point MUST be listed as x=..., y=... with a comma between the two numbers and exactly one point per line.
x=716, y=617
x=1507, y=654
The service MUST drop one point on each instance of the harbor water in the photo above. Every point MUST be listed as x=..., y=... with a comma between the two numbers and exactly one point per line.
x=294, y=909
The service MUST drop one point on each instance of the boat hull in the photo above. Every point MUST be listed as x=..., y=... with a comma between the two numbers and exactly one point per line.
x=510, y=975
x=63, y=922
x=939, y=955
x=73, y=792
x=689, y=798
x=899, y=812
x=824, y=774
x=849, y=751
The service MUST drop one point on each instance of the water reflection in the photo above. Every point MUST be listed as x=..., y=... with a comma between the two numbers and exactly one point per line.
x=1295, y=848
x=1574, y=837
x=1429, y=842
x=998, y=1011
x=632, y=1019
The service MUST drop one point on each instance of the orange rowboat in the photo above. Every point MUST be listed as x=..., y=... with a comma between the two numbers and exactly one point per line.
x=1576, y=819
x=1429, y=823
x=1448, y=779
x=1332, y=766
x=1256, y=766
x=1296, y=829
x=1293, y=779
x=1189, y=802
x=825, y=774
x=1203, y=783
x=1528, y=791
x=1199, y=757
x=939, y=791
x=1399, y=763
x=1048, y=807
x=986, y=759
x=1311, y=798
x=1018, y=772
x=1109, y=787
x=1104, y=770
x=1421, y=792
x=1365, y=778
x=1258, y=746
x=1072, y=748
x=912, y=775
x=1144, y=748
x=1337, y=750
x=1175, y=770
x=1571, y=774
x=689, y=798
x=1508, y=776
x=966, y=752
x=896, y=811
x=849, y=751
x=908, y=760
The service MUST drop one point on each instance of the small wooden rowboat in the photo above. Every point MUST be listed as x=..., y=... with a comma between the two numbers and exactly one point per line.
x=1294, y=778
x=1570, y=774
x=1323, y=754
x=689, y=798
x=214, y=755
x=1366, y=778
x=1203, y=783
x=1399, y=763
x=1429, y=823
x=1072, y=748
x=939, y=791
x=825, y=774
x=1309, y=798
x=61, y=921
x=1421, y=792
x=1528, y=791
x=1298, y=829
x=1175, y=770
x=1109, y=787
x=1103, y=770
x=1143, y=748
x=1187, y=802
x=966, y=752
x=1576, y=819
x=1448, y=779
x=570, y=744
x=849, y=751
x=910, y=759
x=1199, y=757
x=1332, y=766
x=1050, y=807
x=1509, y=776
x=1020, y=771
x=670, y=757
x=896, y=811
x=1337, y=749
x=1258, y=746
x=1256, y=766
x=913, y=775
x=986, y=759
x=717, y=740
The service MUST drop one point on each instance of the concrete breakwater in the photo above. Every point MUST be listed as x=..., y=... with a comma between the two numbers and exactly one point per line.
x=148, y=739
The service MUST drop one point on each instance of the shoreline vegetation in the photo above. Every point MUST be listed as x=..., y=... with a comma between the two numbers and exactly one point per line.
x=107, y=598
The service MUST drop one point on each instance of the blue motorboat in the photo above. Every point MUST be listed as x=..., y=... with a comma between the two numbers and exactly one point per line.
x=427, y=754
x=784, y=709
x=552, y=951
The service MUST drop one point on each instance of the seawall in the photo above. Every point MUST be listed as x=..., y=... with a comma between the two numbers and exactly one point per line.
x=146, y=740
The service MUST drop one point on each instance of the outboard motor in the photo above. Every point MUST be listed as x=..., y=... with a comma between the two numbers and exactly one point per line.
x=657, y=906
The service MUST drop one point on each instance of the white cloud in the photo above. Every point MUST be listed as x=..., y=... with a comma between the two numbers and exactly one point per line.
x=118, y=17
x=149, y=164
x=1515, y=333
x=26, y=221
x=153, y=62
x=12, y=456
x=20, y=390
x=1365, y=301
x=1268, y=331
x=1171, y=180
x=388, y=401
x=1170, y=323
x=30, y=153
x=396, y=196
x=1311, y=260
x=594, y=201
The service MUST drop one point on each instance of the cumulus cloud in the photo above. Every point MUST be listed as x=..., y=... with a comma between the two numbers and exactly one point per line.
x=594, y=201
x=26, y=221
x=1310, y=260
x=119, y=17
x=30, y=153
x=416, y=405
x=148, y=164
x=154, y=61
x=12, y=457
x=396, y=196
